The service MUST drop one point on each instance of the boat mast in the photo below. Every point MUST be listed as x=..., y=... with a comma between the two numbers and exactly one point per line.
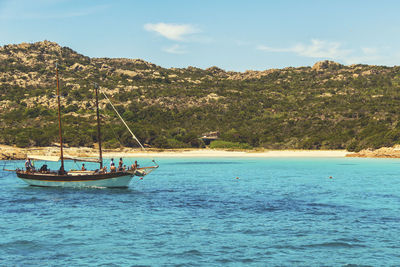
x=59, y=122
x=98, y=126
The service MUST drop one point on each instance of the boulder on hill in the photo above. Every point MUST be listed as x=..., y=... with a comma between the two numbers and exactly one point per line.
x=214, y=70
x=77, y=67
x=326, y=65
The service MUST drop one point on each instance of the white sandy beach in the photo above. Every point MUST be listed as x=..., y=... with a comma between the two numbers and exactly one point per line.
x=21, y=153
x=237, y=154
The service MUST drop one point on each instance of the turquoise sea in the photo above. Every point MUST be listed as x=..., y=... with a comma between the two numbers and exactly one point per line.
x=194, y=212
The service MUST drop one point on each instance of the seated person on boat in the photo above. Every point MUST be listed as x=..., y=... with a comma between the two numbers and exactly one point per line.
x=44, y=169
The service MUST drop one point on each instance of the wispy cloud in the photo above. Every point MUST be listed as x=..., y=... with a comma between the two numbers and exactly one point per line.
x=371, y=55
x=175, y=49
x=175, y=32
x=316, y=49
x=336, y=51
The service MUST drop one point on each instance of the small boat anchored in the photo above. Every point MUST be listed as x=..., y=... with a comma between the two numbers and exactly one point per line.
x=116, y=177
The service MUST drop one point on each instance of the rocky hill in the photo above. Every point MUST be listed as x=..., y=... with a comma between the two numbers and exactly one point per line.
x=328, y=105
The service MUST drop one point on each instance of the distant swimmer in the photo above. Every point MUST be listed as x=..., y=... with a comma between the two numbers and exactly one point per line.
x=237, y=178
x=330, y=177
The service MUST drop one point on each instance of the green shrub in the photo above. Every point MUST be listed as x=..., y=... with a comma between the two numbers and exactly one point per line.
x=113, y=143
x=22, y=140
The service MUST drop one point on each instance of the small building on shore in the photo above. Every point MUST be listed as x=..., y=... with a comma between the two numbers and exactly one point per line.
x=209, y=137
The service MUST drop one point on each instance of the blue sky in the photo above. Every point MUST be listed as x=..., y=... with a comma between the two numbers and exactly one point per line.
x=233, y=35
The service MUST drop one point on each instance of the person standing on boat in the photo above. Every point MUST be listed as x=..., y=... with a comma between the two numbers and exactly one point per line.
x=135, y=165
x=83, y=167
x=120, y=164
x=28, y=165
x=112, y=166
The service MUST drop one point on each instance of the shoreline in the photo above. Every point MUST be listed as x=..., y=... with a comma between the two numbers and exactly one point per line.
x=14, y=153
x=204, y=153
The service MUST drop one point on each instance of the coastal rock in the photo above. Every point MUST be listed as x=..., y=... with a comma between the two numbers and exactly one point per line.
x=383, y=152
x=11, y=153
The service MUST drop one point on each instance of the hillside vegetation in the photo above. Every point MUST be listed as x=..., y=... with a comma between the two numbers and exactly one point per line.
x=327, y=106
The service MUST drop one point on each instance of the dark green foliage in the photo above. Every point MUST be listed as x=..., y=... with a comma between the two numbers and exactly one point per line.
x=336, y=107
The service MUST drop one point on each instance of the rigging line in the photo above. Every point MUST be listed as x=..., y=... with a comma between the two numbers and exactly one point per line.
x=137, y=140
x=112, y=129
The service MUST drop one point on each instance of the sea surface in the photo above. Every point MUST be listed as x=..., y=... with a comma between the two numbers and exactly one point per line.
x=211, y=212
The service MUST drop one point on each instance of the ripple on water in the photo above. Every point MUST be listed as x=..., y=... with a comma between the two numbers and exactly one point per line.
x=191, y=252
x=206, y=163
x=19, y=210
x=224, y=260
x=26, y=200
x=21, y=246
x=334, y=245
x=356, y=265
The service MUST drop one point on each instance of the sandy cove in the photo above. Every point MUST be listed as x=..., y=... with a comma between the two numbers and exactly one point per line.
x=11, y=152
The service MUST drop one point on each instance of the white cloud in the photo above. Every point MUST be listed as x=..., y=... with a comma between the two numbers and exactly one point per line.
x=176, y=32
x=335, y=51
x=369, y=55
x=322, y=49
x=316, y=49
x=175, y=49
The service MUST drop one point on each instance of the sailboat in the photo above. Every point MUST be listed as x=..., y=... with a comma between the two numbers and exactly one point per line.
x=83, y=178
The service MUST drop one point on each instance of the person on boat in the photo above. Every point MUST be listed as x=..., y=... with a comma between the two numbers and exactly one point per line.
x=28, y=165
x=124, y=168
x=83, y=167
x=43, y=168
x=112, y=162
x=120, y=164
x=113, y=168
x=134, y=166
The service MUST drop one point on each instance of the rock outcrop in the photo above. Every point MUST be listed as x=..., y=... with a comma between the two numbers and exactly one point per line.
x=383, y=152
x=326, y=65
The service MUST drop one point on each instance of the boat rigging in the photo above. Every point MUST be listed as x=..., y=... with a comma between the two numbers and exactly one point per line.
x=120, y=177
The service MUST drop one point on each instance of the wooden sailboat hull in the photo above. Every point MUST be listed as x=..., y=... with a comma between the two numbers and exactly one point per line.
x=119, y=179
